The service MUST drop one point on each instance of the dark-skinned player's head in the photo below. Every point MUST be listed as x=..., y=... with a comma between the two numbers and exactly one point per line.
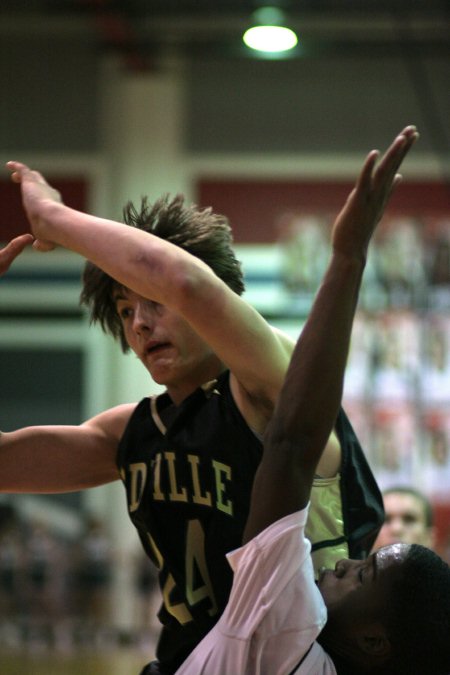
x=389, y=614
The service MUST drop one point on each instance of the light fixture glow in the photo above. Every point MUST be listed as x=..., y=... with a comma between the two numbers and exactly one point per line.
x=270, y=38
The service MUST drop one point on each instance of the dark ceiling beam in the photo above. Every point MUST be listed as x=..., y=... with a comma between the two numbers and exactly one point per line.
x=116, y=31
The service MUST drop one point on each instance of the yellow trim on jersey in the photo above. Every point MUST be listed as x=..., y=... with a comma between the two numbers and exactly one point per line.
x=326, y=523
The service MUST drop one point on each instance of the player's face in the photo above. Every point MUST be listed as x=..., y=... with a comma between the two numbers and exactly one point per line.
x=170, y=349
x=358, y=588
x=405, y=521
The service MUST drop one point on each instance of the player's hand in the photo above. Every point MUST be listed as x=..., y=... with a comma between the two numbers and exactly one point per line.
x=10, y=252
x=36, y=195
x=356, y=223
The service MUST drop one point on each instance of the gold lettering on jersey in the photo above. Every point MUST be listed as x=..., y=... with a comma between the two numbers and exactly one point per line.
x=178, y=610
x=175, y=494
x=198, y=582
x=137, y=484
x=166, y=472
x=197, y=496
x=196, y=560
x=220, y=471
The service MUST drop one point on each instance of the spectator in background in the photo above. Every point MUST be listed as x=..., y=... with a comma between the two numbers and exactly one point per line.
x=409, y=518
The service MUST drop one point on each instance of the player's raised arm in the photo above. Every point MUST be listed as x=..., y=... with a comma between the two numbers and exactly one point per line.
x=167, y=274
x=309, y=400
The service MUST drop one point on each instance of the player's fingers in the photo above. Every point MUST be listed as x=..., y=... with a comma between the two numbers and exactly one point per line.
x=14, y=248
x=19, y=243
x=390, y=189
x=394, y=156
x=365, y=177
x=19, y=170
x=410, y=130
x=13, y=165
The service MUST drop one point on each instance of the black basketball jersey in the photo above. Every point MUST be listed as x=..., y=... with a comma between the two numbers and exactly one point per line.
x=188, y=489
x=188, y=485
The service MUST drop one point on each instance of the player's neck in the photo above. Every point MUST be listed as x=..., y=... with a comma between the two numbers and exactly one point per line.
x=182, y=388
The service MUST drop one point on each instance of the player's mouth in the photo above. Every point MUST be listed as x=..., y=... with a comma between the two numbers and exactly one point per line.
x=154, y=348
x=323, y=571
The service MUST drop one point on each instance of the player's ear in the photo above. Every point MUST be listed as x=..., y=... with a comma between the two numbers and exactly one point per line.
x=373, y=641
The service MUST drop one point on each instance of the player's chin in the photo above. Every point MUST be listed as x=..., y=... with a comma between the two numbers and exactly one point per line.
x=162, y=371
x=324, y=579
x=330, y=588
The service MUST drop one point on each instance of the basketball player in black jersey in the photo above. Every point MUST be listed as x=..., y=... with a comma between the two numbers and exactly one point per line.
x=188, y=457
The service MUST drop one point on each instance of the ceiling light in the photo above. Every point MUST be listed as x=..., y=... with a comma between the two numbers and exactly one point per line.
x=270, y=35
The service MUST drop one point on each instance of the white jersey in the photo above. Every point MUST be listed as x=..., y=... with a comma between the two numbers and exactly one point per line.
x=274, y=614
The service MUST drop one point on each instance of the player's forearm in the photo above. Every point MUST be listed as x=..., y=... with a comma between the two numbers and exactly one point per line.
x=312, y=393
x=308, y=404
x=42, y=460
x=140, y=261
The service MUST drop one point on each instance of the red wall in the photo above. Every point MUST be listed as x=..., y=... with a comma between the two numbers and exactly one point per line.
x=74, y=191
x=254, y=207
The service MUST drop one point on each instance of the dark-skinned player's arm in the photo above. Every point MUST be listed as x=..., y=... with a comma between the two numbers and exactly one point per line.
x=12, y=250
x=310, y=397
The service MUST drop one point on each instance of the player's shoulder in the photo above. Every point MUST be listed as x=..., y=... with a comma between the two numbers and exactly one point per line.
x=113, y=420
x=123, y=410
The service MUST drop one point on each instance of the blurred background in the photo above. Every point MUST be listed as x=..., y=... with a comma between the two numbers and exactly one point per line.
x=114, y=100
